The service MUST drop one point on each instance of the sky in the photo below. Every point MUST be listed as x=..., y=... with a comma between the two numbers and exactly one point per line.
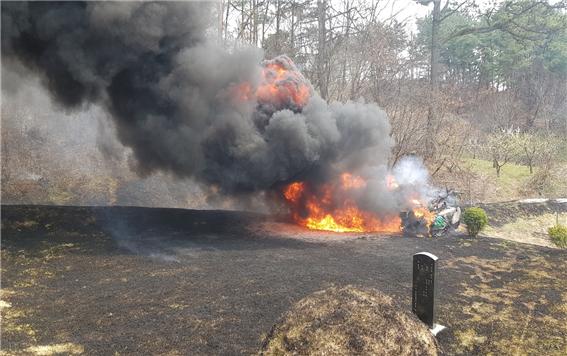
x=407, y=10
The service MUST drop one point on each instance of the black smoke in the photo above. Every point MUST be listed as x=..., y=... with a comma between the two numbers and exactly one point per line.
x=170, y=93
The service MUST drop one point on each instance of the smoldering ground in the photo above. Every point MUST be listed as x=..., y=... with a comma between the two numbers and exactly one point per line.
x=167, y=89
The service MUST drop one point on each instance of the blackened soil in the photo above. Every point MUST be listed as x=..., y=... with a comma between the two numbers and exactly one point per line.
x=169, y=281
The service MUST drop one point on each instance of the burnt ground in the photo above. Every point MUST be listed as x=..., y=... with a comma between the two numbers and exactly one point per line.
x=123, y=280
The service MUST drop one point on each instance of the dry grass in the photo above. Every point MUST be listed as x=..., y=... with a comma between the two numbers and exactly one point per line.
x=56, y=349
x=504, y=300
x=532, y=229
x=15, y=318
x=515, y=181
x=348, y=321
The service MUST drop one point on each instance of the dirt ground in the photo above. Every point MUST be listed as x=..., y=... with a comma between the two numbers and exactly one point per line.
x=176, y=282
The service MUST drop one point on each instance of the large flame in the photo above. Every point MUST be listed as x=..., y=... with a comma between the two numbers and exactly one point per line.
x=281, y=85
x=421, y=212
x=330, y=208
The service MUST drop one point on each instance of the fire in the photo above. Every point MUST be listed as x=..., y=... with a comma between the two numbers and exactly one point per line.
x=281, y=85
x=293, y=192
x=421, y=212
x=352, y=182
x=330, y=206
x=322, y=209
x=242, y=92
x=391, y=183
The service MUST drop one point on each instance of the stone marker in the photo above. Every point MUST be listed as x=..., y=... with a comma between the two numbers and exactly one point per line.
x=425, y=289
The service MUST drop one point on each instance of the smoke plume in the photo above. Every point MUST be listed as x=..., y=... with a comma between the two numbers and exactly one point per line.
x=188, y=107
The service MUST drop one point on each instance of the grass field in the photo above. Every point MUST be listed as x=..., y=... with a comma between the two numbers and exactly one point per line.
x=515, y=181
x=142, y=281
x=513, y=178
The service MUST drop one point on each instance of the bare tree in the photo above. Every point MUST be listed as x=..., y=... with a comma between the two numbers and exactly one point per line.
x=502, y=148
x=322, y=48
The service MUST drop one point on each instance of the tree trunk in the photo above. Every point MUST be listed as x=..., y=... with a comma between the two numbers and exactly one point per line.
x=278, y=22
x=292, y=28
x=220, y=19
x=226, y=20
x=346, y=57
x=430, y=131
x=436, y=22
x=267, y=7
x=322, y=47
x=255, y=22
x=434, y=80
x=242, y=19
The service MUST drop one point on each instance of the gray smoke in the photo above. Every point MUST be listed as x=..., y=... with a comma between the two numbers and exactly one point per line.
x=171, y=94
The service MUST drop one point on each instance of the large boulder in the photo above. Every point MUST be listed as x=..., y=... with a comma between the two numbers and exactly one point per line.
x=348, y=321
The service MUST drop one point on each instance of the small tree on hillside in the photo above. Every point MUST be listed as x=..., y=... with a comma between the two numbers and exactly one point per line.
x=502, y=148
x=533, y=148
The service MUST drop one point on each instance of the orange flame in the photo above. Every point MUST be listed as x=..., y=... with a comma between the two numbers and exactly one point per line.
x=293, y=192
x=281, y=84
x=319, y=210
x=283, y=87
x=328, y=207
x=352, y=182
x=421, y=212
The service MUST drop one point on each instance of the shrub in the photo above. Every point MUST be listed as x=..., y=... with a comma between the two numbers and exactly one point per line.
x=558, y=235
x=475, y=219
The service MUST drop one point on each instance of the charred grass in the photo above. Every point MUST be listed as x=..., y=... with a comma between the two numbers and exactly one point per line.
x=69, y=287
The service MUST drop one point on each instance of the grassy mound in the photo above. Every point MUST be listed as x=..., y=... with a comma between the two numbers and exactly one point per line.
x=347, y=321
